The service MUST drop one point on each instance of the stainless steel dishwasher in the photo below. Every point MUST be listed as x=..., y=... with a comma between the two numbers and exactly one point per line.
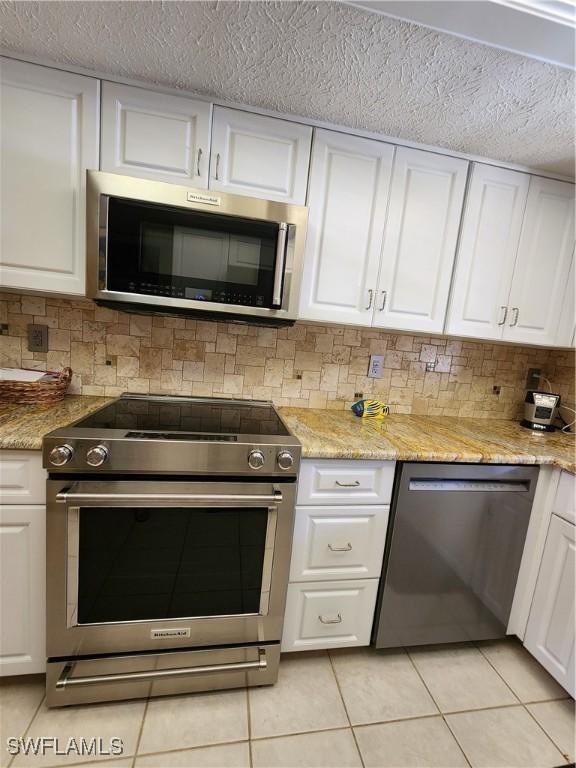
x=454, y=547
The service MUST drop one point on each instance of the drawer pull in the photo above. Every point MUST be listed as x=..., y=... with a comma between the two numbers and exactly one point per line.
x=337, y=620
x=347, y=548
x=354, y=484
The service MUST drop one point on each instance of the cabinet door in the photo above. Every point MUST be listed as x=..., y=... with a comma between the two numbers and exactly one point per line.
x=155, y=135
x=349, y=184
x=259, y=156
x=542, y=263
x=420, y=241
x=22, y=589
x=550, y=631
x=567, y=326
x=487, y=251
x=49, y=139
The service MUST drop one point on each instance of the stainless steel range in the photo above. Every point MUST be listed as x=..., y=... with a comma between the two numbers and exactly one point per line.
x=169, y=529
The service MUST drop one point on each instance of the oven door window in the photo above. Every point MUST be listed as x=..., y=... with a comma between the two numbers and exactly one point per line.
x=178, y=253
x=146, y=563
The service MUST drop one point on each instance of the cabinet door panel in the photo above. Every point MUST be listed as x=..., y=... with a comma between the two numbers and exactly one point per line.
x=22, y=589
x=49, y=139
x=542, y=264
x=550, y=631
x=155, y=135
x=349, y=183
x=259, y=156
x=420, y=240
x=567, y=326
x=487, y=251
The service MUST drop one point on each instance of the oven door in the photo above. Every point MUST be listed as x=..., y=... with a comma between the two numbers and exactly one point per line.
x=140, y=565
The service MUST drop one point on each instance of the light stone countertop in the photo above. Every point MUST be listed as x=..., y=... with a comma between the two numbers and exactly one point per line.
x=327, y=434
x=22, y=427
x=342, y=435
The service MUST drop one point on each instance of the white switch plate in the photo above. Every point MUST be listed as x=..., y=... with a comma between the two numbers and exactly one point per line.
x=376, y=367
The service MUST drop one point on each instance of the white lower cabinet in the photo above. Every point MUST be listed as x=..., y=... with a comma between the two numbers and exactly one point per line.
x=22, y=563
x=550, y=631
x=337, y=551
x=329, y=614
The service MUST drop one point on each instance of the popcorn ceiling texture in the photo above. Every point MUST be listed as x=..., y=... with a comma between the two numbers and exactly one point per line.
x=310, y=366
x=320, y=60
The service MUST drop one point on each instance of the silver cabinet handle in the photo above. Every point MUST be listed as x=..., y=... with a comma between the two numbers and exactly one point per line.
x=504, y=315
x=217, y=166
x=353, y=484
x=127, y=677
x=370, y=297
x=347, y=548
x=279, y=265
x=516, y=312
x=337, y=620
x=384, y=296
x=198, y=162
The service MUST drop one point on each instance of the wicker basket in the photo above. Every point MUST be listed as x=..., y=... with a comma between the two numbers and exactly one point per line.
x=36, y=392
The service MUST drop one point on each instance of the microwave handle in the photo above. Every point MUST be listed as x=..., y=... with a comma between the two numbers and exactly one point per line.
x=279, y=266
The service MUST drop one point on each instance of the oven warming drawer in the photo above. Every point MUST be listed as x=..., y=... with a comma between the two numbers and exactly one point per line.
x=113, y=678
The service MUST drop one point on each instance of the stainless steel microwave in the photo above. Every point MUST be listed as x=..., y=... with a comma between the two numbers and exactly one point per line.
x=157, y=247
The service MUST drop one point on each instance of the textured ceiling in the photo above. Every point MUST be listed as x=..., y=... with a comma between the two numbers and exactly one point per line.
x=327, y=61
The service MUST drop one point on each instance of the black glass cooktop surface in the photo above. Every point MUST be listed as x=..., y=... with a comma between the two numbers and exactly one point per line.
x=141, y=415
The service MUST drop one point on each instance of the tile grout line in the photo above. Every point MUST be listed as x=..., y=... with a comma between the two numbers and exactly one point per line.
x=460, y=747
x=333, y=668
x=25, y=732
x=140, y=731
x=249, y=724
x=523, y=704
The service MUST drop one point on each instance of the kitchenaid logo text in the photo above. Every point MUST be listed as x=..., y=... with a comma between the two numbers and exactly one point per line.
x=156, y=633
x=50, y=745
x=194, y=197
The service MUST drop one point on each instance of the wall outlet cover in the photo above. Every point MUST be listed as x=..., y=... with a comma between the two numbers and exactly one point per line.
x=37, y=338
x=376, y=367
x=532, y=378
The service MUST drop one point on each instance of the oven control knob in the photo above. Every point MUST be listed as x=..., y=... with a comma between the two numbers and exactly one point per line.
x=256, y=460
x=97, y=456
x=61, y=455
x=285, y=460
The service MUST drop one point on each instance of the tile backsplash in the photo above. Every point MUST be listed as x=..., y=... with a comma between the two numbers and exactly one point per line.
x=311, y=366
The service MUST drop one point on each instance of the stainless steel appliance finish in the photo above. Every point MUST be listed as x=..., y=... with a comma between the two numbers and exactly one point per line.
x=168, y=547
x=453, y=553
x=540, y=410
x=182, y=285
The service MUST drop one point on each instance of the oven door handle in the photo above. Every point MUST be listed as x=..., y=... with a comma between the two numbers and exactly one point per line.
x=64, y=681
x=71, y=496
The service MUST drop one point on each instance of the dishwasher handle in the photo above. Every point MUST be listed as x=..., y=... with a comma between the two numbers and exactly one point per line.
x=448, y=484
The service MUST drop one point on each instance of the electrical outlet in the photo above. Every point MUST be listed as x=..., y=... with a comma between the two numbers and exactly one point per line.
x=376, y=367
x=532, y=378
x=37, y=338
x=431, y=366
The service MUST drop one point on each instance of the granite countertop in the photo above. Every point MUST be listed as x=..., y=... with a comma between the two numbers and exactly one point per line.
x=22, y=427
x=342, y=435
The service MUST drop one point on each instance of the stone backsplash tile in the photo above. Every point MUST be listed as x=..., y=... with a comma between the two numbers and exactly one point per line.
x=311, y=366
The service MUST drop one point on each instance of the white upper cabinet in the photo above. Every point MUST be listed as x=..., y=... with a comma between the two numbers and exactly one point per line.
x=49, y=139
x=566, y=334
x=487, y=251
x=542, y=264
x=349, y=186
x=155, y=135
x=259, y=156
x=420, y=240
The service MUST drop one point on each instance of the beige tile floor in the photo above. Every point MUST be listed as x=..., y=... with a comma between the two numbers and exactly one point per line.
x=488, y=705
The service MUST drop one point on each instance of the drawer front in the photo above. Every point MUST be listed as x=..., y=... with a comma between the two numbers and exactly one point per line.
x=565, y=501
x=22, y=479
x=335, y=481
x=329, y=614
x=338, y=543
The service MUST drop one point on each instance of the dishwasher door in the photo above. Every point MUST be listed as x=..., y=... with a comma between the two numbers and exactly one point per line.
x=452, y=558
